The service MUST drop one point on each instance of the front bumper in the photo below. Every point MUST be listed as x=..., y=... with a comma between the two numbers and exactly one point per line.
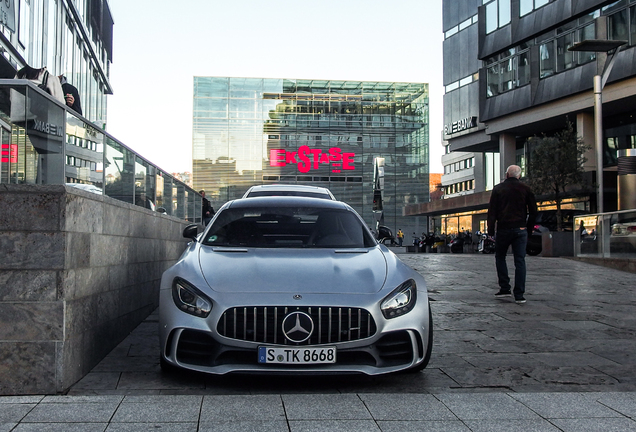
x=199, y=351
x=372, y=345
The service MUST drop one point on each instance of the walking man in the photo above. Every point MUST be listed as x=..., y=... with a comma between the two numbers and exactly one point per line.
x=511, y=214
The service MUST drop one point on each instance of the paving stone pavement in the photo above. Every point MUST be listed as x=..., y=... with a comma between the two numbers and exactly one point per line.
x=564, y=361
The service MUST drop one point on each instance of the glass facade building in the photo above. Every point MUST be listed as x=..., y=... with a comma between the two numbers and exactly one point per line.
x=69, y=37
x=365, y=141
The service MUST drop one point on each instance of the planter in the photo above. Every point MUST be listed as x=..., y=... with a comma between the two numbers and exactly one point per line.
x=555, y=243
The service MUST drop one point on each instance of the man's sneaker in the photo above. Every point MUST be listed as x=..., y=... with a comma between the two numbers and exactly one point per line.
x=503, y=293
x=520, y=300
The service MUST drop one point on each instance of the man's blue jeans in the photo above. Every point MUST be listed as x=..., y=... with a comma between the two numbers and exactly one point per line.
x=518, y=238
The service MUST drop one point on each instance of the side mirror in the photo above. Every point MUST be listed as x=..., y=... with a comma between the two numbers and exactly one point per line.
x=191, y=231
x=161, y=210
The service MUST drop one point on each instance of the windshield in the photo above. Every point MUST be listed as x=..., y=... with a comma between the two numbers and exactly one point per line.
x=288, y=227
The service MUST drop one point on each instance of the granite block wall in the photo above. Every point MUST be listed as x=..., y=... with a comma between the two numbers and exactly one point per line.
x=78, y=272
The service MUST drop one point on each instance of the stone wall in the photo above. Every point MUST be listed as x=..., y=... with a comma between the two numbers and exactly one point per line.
x=78, y=272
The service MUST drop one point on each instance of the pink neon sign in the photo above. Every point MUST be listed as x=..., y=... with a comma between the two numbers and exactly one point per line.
x=9, y=153
x=307, y=158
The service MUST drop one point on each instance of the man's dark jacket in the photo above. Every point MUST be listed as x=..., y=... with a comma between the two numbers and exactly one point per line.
x=68, y=88
x=512, y=205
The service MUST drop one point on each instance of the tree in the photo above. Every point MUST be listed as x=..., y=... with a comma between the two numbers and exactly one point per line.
x=555, y=165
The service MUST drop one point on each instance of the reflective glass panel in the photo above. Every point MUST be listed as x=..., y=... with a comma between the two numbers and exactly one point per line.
x=632, y=27
x=614, y=6
x=523, y=68
x=525, y=7
x=565, y=58
x=618, y=25
x=492, y=77
x=506, y=74
x=504, y=12
x=119, y=172
x=587, y=32
x=546, y=58
x=491, y=17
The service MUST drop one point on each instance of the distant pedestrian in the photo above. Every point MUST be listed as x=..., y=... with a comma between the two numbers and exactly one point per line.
x=41, y=78
x=511, y=214
x=71, y=95
x=206, y=209
x=400, y=236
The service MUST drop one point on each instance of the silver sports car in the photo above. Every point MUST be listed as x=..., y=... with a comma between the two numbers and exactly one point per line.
x=292, y=285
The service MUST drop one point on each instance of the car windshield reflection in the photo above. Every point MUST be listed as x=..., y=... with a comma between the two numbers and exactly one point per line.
x=288, y=227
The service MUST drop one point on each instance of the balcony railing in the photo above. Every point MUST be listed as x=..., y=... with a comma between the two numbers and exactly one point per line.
x=45, y=142
x=606, y=235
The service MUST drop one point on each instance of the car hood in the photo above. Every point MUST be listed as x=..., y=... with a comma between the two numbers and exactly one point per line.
x=320, y=271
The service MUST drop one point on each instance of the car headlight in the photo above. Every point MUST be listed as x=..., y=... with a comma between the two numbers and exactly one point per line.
x=189, y=299
x=401, y=301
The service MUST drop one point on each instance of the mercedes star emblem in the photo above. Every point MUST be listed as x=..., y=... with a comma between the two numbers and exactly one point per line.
x=298, y=327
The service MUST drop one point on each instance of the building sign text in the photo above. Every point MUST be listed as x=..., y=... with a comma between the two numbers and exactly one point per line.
x=460, y=125
x=47, y=128
x=310, y=158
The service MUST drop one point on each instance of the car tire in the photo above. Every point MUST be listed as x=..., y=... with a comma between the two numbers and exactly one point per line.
x=533, y=251
x=429, y=347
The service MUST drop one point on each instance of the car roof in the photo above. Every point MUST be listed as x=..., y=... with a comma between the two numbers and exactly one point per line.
x=288, y=187
x=288, y=201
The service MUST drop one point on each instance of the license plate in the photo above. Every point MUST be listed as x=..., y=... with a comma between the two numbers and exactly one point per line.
x=296, y=355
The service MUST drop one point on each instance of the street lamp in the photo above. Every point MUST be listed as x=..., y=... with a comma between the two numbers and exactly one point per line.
x=600, y=46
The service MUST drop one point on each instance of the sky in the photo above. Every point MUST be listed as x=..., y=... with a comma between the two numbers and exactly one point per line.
x=158, y=48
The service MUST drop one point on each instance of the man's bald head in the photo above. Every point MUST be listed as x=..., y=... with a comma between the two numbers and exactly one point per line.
x=513, y=171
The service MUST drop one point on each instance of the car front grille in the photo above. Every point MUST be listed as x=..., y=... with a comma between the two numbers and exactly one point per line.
x=264, y=324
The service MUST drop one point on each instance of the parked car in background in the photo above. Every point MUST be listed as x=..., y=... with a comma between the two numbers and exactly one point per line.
x=289, y=190
x=546, y=221
x=86, y=187
x=292, y=285
x=623, y=236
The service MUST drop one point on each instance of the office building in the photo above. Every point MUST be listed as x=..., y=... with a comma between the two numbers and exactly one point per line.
x=509, y=75
x=70, y=37
x=365, y=141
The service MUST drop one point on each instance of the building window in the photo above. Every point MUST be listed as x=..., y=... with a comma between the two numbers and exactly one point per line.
x=462, y=82
x=497, y=15
x=511, y=69
x=492, y=80
x=565, y=58
x=527, y=6
x=24, y=28
x=452, y=86
x=465, y=24
x=491, y=170
x=621, y=21
x=451, y=32
x=632, y=25
x=546, y=58
x=619, y=25
x=508, y=71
